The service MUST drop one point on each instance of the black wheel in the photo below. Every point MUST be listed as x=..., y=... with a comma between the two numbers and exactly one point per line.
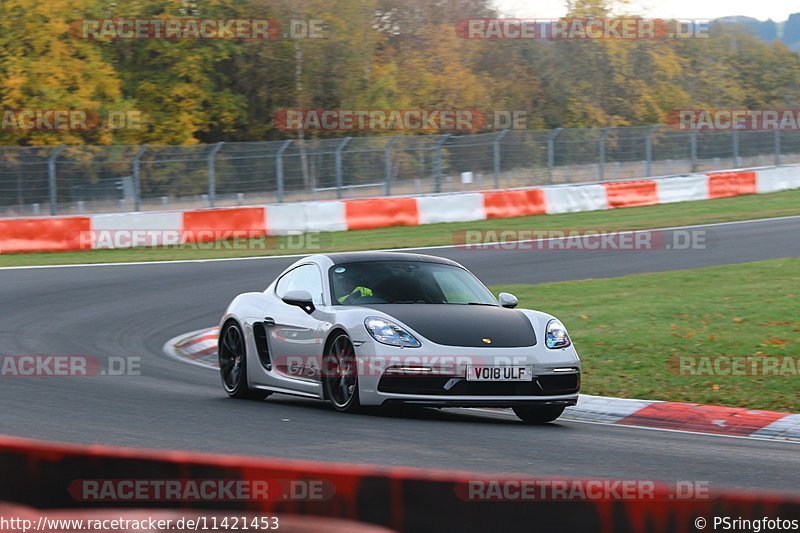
x=538, y=414
x=340, y=375
x=233, y=364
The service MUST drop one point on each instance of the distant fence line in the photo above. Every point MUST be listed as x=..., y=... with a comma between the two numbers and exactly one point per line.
x=82, y=179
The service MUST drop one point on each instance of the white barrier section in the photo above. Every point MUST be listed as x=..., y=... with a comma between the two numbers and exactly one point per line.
x=285, y=219
x=604, y=409
x=325, y=216
x=128, y=230
x=682, y=188
x=450, y=208
x=574, y=198
x=777, y=179
x=787, y=428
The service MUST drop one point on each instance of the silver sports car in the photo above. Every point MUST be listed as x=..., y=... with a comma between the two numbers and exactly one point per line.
x=379, y=328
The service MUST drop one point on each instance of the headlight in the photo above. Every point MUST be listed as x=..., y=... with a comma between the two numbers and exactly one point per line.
x=387, y=332
x=555, y=335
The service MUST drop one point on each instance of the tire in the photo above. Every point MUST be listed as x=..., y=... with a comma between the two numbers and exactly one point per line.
x=340, y=375
x=538, y=414
x=232, y=353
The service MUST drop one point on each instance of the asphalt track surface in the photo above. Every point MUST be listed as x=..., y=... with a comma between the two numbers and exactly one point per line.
x=131, y=310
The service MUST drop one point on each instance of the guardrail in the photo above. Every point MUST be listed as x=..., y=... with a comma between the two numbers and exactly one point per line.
x=95, y=179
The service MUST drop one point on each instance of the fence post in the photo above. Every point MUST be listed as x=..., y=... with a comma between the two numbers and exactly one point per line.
x=212, y=178
x=648, y=148
x=279, y=170
x=438, y=163
x=777, y=147
x=496, y=150
x=602, y=149
x=693, y=149
x=137, y=178
x=735, y=149
x=339, y=176
x=387, y=166
x=51, y=177
x=551, y=152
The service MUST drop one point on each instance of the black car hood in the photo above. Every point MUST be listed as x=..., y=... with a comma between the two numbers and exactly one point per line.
x=464, y=325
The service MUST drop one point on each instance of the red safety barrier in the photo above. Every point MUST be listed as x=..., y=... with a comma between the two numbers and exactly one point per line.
x=723, y=184
x=45, y=234
x=208, y=225
x=381, y=213
x=517, y=203
x=631, y=193
x=45, y=476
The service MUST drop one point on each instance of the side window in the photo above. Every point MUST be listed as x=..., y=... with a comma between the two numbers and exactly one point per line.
x=283, y=283
x=307, y=278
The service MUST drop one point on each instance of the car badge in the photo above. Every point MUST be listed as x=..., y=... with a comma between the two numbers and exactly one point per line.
x=487, y=340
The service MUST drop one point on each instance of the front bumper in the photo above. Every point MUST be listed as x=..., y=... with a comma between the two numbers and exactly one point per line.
x=443, y=383
x=448, y=385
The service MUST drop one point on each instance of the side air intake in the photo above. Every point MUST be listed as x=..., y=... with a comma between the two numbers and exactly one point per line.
x=260, y=334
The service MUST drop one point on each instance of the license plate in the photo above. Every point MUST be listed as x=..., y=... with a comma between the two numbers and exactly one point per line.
x=499, y=373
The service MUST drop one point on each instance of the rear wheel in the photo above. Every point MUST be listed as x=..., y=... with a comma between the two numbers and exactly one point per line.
x=232, y=352
x=340, y=376
x=538, y=414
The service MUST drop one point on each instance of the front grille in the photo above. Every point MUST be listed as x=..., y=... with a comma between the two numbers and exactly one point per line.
x=549, y=385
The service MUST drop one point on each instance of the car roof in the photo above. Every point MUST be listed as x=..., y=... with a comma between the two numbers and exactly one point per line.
x=360, y=257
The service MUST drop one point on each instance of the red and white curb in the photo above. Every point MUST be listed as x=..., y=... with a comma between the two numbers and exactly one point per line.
x=197, y=347
x=200, y=348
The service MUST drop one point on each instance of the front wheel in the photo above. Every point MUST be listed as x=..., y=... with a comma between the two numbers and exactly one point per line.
x=538, y=414
x=232, y=352
x=340, y=375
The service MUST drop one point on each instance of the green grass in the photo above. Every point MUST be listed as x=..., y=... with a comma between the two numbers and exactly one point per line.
x=687, y=213
x=628, y=329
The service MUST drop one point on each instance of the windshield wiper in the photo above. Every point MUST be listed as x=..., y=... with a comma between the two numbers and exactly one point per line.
x=481, y=303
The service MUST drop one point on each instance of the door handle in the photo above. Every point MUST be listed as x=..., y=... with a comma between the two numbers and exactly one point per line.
x=269, y=321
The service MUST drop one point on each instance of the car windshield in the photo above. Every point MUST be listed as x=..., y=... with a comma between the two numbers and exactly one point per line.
x=406, y=282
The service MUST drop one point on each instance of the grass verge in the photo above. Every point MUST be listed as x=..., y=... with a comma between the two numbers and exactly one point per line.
x=680, y=214
x=631, y=332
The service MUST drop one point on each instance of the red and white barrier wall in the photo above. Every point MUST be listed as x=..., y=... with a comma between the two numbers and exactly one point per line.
x=160, y=228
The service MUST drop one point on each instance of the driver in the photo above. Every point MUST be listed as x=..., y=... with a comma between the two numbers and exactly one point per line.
x=354, y=287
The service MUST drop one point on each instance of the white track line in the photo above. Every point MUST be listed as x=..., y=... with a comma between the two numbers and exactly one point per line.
x=437, y=247
x=566, y=418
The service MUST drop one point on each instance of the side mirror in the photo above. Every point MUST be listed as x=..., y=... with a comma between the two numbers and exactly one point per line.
x=507, y=300
x=301, y=299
